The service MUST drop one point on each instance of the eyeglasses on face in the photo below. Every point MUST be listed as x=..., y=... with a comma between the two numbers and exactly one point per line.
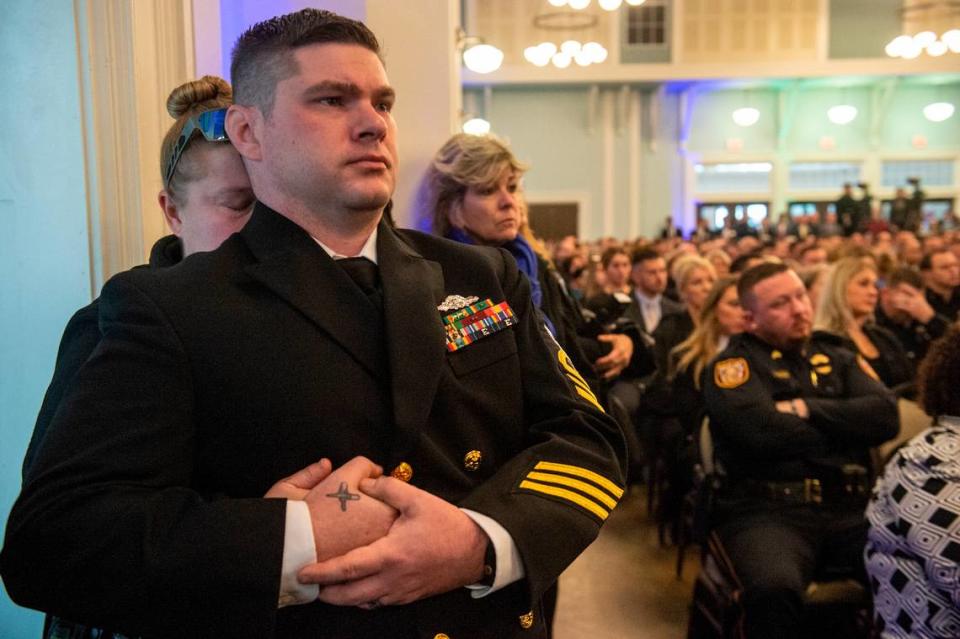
x=211, y=124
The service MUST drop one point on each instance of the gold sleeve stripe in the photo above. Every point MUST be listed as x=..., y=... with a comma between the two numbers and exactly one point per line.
x=582, y=486
x=599, y=480
x=569, y=495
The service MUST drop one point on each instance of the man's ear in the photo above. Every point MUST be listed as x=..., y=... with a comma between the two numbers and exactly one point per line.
x=170, y=212
x=749, y=319
x=244, y=128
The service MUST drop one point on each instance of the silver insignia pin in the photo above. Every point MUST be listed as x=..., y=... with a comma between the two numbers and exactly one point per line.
x=456, y=302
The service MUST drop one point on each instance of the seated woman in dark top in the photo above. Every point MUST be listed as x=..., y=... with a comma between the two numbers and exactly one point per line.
x=846, y=308
x=474, y=196
x=694, y=277
x=720, y=317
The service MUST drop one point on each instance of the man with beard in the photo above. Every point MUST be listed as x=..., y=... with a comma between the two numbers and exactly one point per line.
x=793, y=418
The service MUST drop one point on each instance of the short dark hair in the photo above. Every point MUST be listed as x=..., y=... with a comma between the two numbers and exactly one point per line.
x=926, y=262
x=905, y=275
x=611, y=253
x=644, y=254
x=753, y=276
x=263, y=55
x=938, y=374
x=740, y=262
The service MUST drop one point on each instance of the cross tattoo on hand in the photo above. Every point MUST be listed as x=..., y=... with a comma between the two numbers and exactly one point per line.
x=344, y=496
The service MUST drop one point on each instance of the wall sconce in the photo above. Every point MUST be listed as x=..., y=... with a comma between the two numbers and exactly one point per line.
x=938, y=111
x=478, y=56
x=746, y=116
x=476, y=126
x=842, y=113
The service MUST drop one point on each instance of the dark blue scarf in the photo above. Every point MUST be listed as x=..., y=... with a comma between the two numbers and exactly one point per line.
x=526, y=258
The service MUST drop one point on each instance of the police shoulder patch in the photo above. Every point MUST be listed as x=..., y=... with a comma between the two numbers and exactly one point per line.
x=731, y=373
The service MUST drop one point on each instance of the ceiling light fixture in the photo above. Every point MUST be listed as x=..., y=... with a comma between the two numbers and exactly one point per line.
x=478, y=56
x=610, y=5
x=925, y=20
x=842, y=113
x=476, y=126
x=746, y=116
x=938, y=111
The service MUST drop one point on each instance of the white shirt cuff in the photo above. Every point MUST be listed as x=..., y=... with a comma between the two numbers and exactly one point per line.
x=509, y=565
x=299, y=549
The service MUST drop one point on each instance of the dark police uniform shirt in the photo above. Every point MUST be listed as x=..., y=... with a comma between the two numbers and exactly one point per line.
x=850, y=411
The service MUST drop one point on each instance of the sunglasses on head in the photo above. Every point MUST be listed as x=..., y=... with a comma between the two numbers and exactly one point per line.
x=210, y=124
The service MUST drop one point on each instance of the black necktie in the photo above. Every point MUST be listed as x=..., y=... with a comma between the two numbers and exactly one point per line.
x=366, y=275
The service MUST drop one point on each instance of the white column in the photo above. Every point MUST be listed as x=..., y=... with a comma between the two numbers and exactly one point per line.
x=419, y=48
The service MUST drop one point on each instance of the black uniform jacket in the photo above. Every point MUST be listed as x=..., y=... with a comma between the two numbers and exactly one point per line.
x=80, y=337
x=849, y=410
x=218, y=376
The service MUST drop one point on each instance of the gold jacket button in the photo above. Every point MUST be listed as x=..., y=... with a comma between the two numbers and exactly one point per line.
x=403, y=472
x=471, y=461
x=441, y=635
x=526, y=621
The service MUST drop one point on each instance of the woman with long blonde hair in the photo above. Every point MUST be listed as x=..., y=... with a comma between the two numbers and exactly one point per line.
x=720, y=317
x=846, y=309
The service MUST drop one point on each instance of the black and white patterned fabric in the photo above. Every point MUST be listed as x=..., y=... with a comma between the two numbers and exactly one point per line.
x=913, y=547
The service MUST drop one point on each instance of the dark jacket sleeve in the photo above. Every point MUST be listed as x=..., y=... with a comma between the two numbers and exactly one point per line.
x=747, y=419
x=108, y=491
x=80, y=337
x=866, y=415
x=562, y=486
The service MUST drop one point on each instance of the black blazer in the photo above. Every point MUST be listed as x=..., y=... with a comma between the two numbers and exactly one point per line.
x=667, y=307
x=80, y=337
x=218, y=376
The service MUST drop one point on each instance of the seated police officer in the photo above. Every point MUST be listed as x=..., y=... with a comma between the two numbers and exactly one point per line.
x=792, y=419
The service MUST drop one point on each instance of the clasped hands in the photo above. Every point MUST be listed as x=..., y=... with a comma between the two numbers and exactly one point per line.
x=381, y=541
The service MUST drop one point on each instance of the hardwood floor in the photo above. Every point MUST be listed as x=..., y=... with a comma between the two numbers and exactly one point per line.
x=624, y=585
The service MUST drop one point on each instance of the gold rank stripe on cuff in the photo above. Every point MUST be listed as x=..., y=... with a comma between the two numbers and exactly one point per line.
x=600, y=480
x=582, y=486
x=591, y=491
x=569, y=495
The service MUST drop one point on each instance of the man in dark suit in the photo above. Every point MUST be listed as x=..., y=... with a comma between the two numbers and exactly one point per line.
x=649, y=276
x=318, y=330
x=941, y=274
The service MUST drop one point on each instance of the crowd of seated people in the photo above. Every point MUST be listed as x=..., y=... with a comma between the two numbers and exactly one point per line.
x=878, y=293
x=795, y=338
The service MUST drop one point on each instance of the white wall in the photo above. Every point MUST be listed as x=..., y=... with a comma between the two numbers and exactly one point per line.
x=45, y=258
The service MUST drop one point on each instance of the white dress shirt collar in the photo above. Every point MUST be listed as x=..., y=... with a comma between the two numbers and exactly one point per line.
x=368, y=251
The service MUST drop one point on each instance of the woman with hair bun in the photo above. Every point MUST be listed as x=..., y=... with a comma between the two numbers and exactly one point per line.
x=206, y=197
x=206, y=194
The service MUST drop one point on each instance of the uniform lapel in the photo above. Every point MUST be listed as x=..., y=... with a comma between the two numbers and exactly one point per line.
x=412, y=289
x=292, y=265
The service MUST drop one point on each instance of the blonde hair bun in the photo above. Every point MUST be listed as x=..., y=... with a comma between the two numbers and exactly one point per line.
x=209, y=92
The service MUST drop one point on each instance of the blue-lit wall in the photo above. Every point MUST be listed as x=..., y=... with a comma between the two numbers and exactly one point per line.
x=45, y=256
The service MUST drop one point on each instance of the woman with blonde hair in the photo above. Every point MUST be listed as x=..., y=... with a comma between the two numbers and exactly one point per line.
x=680, y=404
x=846, y=309
x=720, y=317
x=694, y=277
x=474, y=196
x=206, y=197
